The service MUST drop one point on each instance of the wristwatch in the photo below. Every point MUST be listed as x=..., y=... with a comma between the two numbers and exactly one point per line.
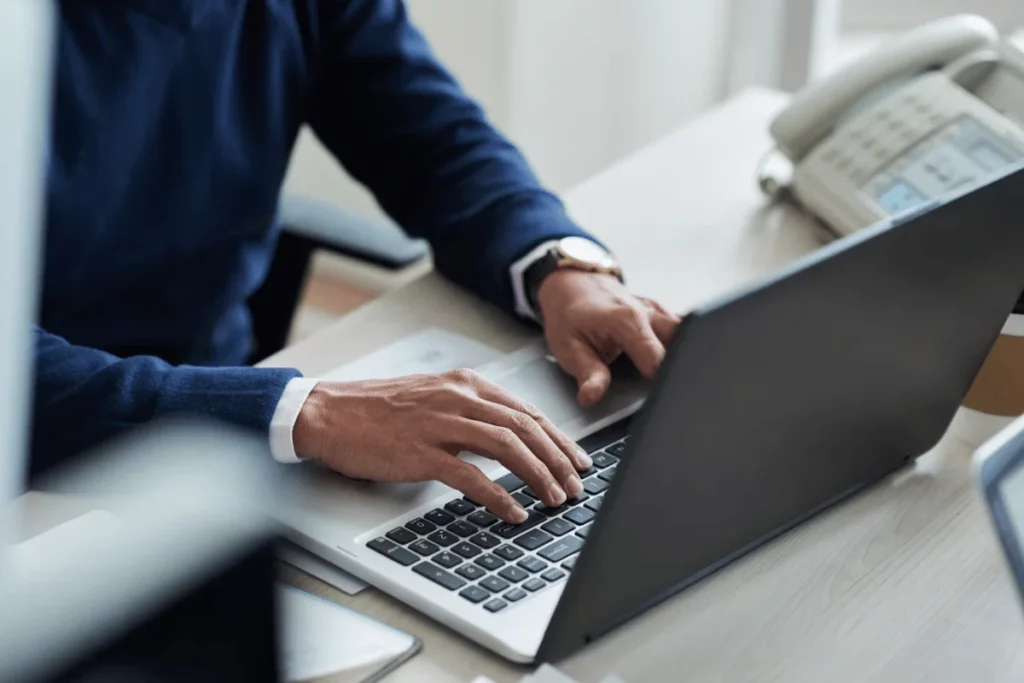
x=571, y=253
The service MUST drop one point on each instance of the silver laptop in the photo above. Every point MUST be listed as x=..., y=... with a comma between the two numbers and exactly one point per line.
x=772, y=405
x=999, y=468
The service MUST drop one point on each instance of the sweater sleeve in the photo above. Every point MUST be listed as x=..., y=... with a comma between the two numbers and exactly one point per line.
x=401, y=125
x=84, y=396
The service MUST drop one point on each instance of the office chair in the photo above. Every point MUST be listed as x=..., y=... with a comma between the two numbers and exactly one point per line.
x=306, y=226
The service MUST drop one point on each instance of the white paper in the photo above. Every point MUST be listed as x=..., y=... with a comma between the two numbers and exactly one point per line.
x=428, y=352
x=319, y=638
x=321, y=569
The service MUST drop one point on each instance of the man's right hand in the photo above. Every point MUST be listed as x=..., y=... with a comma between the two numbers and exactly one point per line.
x=411, y=429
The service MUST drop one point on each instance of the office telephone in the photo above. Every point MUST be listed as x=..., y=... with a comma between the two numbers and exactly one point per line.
x=933, y=112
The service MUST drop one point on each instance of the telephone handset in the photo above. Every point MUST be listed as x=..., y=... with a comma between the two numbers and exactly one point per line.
x=934, y=111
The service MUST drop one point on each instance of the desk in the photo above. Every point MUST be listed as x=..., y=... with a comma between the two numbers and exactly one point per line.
x=903, y=583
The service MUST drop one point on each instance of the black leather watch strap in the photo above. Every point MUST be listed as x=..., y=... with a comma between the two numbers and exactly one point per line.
x=535, y=275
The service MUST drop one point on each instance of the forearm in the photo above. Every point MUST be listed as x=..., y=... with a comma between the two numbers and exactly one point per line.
x=84, y=396
x=399, y=122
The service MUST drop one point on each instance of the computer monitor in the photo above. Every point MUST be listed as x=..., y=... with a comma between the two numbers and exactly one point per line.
x=26, y=48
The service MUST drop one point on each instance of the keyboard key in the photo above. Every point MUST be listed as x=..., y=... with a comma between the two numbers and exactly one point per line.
x=558, y=527
x=608, y=474
x=532, y=564
x=584, y=532
x=587, y=473
x=439, y=517
x=466, y=550
x=579, y=515
x=481, y=518
x=552, y=575
x=551, y=512
x=475, y=594
x=594, y=503
x=396, y=553
x=443, y=538
x=509, y=552
x=512, y=530
x=459, y=507
x=513, y=574
x=472, y=502
x=484, y=540
x=617, y=449
x=534, y=585
x=570, y=565
x=494, y=584
x=439, y=576
x=463, y=529
x=602, y=460
x=470, y=571
x=533, y=539
x=509, y=482
x=424, y=547
x=495, y=605
x=515, y=595
x=447, y=560
x=401, y=536
x=522, y=499
x=561, y=549
x=420, y=526
x=594, y=485
x=529, y=494
x=489, y=562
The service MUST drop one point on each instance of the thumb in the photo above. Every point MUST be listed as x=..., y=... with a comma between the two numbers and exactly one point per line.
x=580, y=360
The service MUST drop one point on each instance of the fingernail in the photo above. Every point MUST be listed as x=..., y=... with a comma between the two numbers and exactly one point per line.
x=586, y=460
x=574, y=487
x=519, y=515
x=557, y=494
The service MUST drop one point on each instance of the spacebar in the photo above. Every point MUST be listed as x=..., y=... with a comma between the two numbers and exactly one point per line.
x=513, y=530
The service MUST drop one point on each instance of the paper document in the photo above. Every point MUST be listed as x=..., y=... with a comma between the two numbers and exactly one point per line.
x=320, y=639
x=321, y=569
x=428, y=352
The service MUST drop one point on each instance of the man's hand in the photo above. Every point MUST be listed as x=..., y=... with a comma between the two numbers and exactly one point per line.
x=411, y=429
x=591, y=318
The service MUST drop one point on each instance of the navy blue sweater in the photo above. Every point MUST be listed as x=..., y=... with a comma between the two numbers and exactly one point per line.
x=174, y=122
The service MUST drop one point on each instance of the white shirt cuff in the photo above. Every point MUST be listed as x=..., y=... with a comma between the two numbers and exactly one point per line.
x=282, y=424
x=518, y=273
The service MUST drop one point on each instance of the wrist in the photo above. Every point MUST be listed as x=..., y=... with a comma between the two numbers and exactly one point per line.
x=560, y=287
x=309, y=425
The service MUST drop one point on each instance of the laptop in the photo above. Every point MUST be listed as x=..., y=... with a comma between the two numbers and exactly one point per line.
x=773, y=404
x=999, y=469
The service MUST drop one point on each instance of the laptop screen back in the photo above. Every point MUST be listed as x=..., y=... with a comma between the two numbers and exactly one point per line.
x=784, y=399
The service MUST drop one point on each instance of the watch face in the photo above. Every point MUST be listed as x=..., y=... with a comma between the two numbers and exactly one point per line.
x=580, y=249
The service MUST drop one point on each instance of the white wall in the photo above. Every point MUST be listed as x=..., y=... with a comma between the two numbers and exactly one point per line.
x=576, y=83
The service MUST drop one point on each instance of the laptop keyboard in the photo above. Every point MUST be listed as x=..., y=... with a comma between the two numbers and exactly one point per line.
x=490, y=563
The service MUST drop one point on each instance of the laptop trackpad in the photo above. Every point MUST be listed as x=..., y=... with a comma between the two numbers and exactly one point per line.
x=532, y=375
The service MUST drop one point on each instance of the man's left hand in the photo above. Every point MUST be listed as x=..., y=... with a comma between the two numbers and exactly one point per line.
x=590, y=319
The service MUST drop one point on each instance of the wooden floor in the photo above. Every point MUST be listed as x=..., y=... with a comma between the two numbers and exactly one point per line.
x=325, y=300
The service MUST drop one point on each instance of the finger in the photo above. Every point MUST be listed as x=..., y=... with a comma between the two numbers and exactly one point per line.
x=664, y=327
x=505, y=446
x=640, y=342
x=492, y=392
x=462, y=476
x=536, y=438
x=580, y=360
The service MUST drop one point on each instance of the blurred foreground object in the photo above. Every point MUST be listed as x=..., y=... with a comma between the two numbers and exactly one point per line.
x=26, y=39
x=170, y=579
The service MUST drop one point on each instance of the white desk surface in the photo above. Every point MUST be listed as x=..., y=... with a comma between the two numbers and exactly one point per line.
x=903, y=583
